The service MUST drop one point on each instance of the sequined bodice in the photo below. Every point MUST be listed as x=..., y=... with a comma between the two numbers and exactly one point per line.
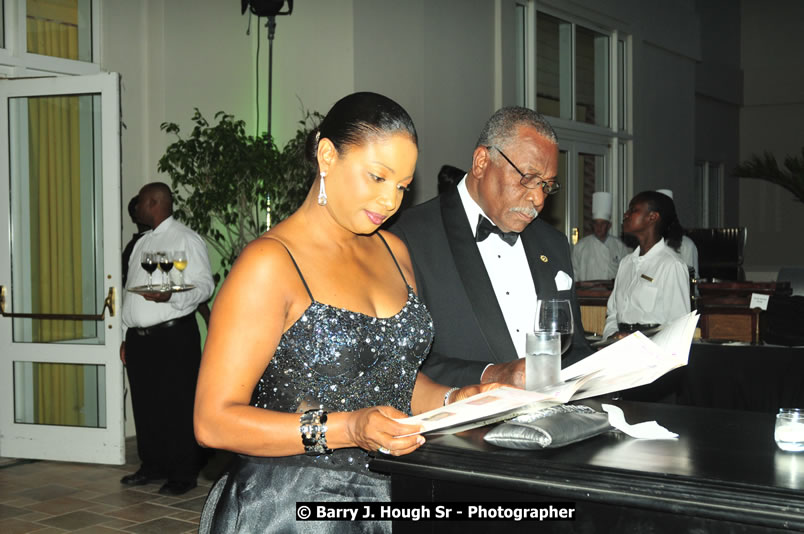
x=344, y=360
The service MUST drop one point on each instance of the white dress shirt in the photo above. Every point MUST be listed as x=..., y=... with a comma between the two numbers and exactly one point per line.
x=509, y=272
x=593, y=259
x=649, y=289
x=168, y=236
x=689, y=253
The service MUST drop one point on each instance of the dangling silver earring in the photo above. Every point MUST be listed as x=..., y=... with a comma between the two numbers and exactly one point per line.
x=322, y=191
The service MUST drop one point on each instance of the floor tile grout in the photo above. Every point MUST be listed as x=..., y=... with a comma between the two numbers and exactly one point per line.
x=48, y=496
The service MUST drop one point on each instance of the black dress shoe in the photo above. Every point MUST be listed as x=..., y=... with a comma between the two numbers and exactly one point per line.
x=176, y=487
x=139, y=478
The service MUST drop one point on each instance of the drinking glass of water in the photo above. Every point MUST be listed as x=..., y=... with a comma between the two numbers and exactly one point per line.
x=542, y=359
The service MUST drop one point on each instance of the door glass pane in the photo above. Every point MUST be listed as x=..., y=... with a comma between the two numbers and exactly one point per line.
x=591, y=178
x=591, y=77
x=553, y=66
x=56, y=217
x=60, y=394
x=555, y=207
x=60, y=28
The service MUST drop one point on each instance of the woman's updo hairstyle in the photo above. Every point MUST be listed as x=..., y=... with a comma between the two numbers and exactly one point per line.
x=358, y=118
x=669, y=226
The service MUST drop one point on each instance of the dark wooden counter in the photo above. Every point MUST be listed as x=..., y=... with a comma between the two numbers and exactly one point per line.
x=760, y=378
x=724, y=474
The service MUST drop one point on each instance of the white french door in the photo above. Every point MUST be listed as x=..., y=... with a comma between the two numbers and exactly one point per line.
x=61, y=379
x=583, y=168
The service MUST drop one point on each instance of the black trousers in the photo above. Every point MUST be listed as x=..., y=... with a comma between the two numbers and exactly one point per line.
x=162, y=369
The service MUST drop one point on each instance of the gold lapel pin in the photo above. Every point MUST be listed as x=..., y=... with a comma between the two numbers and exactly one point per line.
x=544, y=258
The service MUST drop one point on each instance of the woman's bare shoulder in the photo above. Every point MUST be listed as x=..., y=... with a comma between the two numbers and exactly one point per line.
x=261, y=264
x=397, y=246
x=400, y=252
x=266, y=253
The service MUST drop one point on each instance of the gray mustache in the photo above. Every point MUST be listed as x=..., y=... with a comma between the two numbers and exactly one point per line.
x=530, y=212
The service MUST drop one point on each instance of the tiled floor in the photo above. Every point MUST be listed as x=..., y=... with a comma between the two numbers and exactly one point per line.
x=49, y=497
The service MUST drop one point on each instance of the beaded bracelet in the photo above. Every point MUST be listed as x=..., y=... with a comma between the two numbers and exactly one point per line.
x=448, y=393
x=313, y=430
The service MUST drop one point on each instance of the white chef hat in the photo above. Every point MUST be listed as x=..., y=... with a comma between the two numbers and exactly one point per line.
x=667, y=192
x=601, y=205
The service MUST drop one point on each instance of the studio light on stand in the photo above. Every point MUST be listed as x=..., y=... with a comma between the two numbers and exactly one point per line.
x=270, y=9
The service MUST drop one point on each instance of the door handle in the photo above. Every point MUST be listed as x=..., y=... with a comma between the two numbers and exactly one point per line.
x=108, y=303
x=575, y=235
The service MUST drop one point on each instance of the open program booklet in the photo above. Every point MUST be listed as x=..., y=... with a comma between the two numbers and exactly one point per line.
x=632, y=361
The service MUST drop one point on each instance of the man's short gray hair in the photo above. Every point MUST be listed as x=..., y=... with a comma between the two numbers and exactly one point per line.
x=502, y=127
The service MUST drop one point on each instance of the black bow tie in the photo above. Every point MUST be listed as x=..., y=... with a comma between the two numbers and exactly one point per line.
x=486, y=227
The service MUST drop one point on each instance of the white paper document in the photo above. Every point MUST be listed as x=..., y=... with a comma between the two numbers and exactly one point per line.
x=632, y=361
x=644, y=430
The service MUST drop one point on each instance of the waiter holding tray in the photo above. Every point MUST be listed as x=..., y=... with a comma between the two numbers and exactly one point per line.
x=162, y=348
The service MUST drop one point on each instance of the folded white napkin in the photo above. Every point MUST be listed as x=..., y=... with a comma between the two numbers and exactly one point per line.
x=563, y=281
x=646, y=430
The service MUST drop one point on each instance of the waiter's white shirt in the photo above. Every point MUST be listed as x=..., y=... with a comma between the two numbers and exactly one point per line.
x=509, y=272
x=593, y=259
x=168, y=236
x=689, y=253
x=649, y=289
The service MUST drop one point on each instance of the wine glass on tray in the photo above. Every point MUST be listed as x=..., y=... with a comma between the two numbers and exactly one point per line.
x=180, y=263
x=165, y=265
x=148, y=262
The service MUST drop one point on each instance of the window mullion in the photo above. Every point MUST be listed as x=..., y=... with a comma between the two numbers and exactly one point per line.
x=566, y=76
x=614, y=82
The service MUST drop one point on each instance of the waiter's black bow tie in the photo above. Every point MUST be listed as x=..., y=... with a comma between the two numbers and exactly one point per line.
x=486, y=227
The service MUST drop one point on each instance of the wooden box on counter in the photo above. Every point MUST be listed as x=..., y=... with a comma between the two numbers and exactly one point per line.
x=725, y=309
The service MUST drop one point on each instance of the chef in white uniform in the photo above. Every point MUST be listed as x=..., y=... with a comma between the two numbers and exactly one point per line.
x=687, y=250
x=597, y=256
x=652, y=286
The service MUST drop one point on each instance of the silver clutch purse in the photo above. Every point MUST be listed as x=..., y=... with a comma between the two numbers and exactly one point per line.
x=549, y=428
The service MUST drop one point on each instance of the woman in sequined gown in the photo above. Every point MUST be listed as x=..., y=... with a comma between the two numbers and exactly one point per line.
x=320, y=311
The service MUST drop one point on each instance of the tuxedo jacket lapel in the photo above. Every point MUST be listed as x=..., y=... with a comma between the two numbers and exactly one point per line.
x=542, y=272
x=475, y=279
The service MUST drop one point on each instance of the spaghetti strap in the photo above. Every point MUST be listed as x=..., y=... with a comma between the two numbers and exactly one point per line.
x=398, y=268
x=303, y=281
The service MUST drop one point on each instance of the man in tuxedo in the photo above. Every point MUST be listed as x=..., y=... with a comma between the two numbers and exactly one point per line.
x=482, y=257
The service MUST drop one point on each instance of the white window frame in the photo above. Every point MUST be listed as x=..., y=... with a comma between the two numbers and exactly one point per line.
x=617, y=139
x=17, y=62
x=708, y=172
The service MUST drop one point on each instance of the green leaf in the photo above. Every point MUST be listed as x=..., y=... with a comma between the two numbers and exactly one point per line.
x=765, y=167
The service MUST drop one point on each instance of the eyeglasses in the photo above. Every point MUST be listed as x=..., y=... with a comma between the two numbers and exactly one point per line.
x=531, y=181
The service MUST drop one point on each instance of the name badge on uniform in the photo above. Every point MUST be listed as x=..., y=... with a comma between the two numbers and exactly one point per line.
x=648, y=278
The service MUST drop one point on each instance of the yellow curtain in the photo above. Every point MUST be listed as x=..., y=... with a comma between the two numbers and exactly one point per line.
x=59, y=394
x=54, y=163
x=55, y=211
x=52, y=28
